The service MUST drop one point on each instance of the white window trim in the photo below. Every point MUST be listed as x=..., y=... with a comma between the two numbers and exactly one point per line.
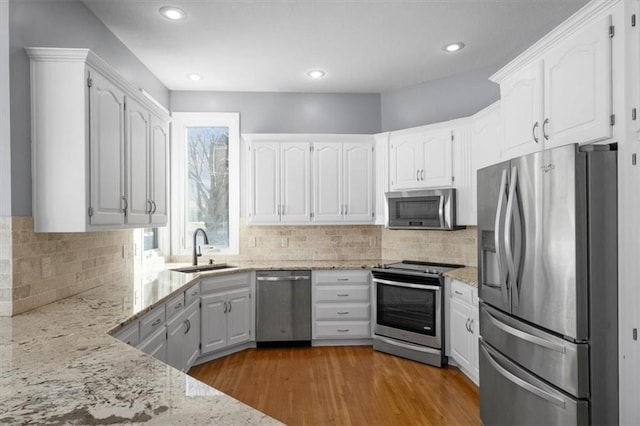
x=182, y=120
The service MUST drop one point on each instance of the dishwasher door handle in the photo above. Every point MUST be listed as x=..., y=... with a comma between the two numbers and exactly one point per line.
x=290, y=278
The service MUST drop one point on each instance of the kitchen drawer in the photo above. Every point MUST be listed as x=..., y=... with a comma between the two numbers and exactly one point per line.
x=152, y=321
x=341, y=277
x=130, y=334
x=215, y=284
x=462, y=292
x=192, y=294
x=343, y=330
x=342, y=294
x=343, y=311
x=174, y=306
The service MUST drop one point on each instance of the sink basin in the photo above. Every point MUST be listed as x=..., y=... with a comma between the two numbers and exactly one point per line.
x=203, y=268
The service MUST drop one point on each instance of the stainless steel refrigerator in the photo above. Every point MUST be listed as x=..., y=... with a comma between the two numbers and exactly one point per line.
x=547, y=277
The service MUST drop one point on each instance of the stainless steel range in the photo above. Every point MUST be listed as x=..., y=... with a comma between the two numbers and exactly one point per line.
x=409, y=314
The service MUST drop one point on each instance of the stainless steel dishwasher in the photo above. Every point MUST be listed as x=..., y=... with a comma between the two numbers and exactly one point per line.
x=283, y=307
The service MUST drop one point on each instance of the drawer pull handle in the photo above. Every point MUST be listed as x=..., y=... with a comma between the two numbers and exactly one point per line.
x=188, y=324
x=195, y=293
x=178, y=306
x=343, y=279
x=128, y=342
x=343, y=295
x=156, y=322
x=343, y=330
x=343, y=313
x=458, y=292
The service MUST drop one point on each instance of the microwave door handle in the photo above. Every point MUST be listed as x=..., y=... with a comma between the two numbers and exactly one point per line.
x=497, y=236
x=441, y=211
x=508, y=243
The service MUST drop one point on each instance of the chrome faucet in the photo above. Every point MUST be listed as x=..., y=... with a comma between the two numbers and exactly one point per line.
x=196, y=252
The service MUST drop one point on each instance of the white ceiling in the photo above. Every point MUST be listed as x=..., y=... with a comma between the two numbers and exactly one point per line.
x=364, y=45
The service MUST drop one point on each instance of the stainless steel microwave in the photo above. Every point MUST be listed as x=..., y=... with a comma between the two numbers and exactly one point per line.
x=428, y=209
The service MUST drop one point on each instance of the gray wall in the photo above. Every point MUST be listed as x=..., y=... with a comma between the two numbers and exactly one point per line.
x=47, y=23
x=439, y=100
x=268, y=112
x=5, y=132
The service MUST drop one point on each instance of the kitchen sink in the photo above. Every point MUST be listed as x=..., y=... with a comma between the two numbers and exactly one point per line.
x=203, y=268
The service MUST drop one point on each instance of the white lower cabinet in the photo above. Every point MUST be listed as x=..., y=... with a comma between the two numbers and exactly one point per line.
x=226, y=312
x=183, y=338
x=464, y=328
x=341, y=305
x=156, y=345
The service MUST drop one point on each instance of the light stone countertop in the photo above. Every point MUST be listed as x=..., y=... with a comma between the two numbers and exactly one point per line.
x=58, y=365
x=468, y=275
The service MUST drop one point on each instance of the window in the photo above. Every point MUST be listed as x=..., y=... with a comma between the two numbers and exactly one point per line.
x=205, y=180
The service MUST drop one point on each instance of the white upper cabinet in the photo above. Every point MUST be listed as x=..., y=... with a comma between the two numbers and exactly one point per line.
x=562, y=96
x=577, y=87
x=85, y=114
x=487, y=137
x=280, y=182
x=420, y=158
x=295, y=175
x=464, y=173
x=343, y=182
x=327, y=182
x=108, y=202
x=326, y=179
x=137, y=160
x=159, y=169
x=521, y=97
x=265, y=183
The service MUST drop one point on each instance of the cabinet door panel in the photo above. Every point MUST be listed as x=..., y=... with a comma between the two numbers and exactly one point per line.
x=238, y=317
x=404, y=163
x=176, y=340
x=295, y=182
x=265, y=168
x=437, y=164
x=106, y=151
x=192, y=335
x=577, y=80
x=137, y=163
x=213, y=324
x=521, y=110
x=358, y=182
x=461, y=350
x=159, y=171
x=156, y=345
x=327, y=182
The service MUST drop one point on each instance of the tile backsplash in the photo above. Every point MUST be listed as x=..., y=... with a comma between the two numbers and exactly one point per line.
x=40, y=268
x=434, y=246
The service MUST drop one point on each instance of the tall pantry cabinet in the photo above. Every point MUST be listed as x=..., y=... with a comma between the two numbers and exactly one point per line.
x=99, y=146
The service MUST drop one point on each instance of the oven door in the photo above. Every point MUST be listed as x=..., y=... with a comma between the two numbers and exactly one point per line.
x=409, y=312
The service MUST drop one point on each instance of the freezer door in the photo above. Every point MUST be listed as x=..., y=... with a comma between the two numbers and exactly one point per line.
x=548, y=235
x=562, y=363
x=512, y=396
x=492, y=205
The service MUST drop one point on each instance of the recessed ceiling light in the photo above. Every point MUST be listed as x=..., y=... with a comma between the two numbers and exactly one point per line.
x=194, y=77
x=173, y=13
x=453, y=47
x=316, y=74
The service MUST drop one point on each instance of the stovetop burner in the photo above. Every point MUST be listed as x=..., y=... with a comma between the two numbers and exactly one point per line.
x=413, y=267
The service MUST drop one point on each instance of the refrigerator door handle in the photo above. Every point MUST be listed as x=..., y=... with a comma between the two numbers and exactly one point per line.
x=526, y=336
x=498, y=228
x=522, y=383
x=508, y=249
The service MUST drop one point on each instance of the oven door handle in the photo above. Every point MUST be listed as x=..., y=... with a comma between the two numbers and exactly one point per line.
x=408, y=285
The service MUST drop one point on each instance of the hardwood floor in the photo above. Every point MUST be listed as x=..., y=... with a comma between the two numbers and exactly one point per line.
x=348, y=385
